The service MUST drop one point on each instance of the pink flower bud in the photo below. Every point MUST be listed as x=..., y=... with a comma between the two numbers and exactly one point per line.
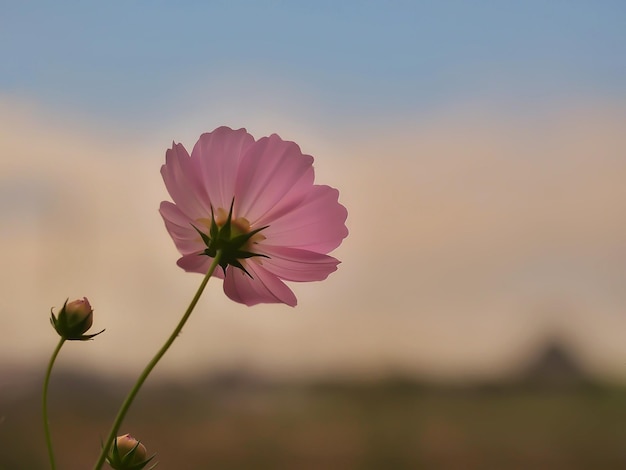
x=126, y=444
x=127, y=453
x=80, y=311
x=74, y=319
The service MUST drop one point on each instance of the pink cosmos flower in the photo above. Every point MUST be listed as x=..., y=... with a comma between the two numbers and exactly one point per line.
x=257, y=202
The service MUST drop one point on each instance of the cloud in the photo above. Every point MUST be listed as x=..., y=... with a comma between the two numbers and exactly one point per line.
x=463, y=225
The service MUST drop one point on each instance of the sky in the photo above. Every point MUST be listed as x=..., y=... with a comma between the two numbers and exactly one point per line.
x=478, y=146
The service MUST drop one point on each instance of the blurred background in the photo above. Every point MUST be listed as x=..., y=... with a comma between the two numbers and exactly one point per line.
x=478, y=318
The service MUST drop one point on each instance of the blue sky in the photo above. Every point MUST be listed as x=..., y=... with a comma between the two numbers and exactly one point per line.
x=139, y=58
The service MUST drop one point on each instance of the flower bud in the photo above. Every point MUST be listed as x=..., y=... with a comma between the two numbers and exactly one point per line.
x=127, y=444
x=128, y=453
x=74, y=319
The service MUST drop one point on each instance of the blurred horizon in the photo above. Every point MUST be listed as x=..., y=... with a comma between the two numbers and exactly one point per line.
x=548, y=421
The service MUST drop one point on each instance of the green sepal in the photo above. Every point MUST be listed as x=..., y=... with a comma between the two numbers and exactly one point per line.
x=226, y=229
x=244, y=237
x=205, y=238
x=214, y=230
x=219, y=238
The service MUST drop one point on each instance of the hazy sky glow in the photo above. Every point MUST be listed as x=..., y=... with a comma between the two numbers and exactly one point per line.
x=480, y=151
x=136, y=59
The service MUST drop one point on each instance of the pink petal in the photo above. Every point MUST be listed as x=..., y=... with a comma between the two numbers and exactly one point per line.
x=195, y=263
x=293, y=264
x=264, y=287
x=182, y=182
x=178, y=225
x=273, y=176
x=216, y=157
x=173, y=213
x=317, y=224
x=187, y=241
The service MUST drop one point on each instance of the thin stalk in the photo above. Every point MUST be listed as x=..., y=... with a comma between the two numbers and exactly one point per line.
x=46, y=383
x=144, y=375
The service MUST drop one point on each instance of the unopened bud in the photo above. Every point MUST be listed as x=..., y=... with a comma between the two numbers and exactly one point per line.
x=74, y=319
x=127, y=444
x=128, y=453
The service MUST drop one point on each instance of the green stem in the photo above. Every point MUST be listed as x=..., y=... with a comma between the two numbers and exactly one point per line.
x=144, y=375
x=46, y=382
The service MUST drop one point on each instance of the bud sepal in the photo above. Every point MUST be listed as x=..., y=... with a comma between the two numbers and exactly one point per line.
x=74, y=319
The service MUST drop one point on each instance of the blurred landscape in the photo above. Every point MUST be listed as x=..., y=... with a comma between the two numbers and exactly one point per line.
x=549, y=415
x=477, y=319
